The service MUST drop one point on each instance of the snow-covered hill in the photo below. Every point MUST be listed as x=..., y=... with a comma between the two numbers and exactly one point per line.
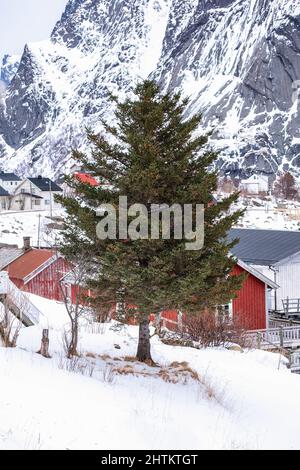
x=192, y=399
x=238, y=60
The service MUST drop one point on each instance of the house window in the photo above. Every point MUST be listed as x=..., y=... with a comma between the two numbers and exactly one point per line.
x=3, y=204
x=47, y=202
x=37, y=202
x=224, y=312
x=22, y=190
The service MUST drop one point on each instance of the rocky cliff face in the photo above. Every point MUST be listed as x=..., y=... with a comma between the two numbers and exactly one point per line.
x=238, y=60
x=10, y=64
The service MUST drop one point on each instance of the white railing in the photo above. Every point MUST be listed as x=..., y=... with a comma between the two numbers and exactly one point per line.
x=283, y=337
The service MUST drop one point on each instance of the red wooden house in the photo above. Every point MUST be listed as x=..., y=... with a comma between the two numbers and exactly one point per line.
x=253, y=301
x=38, y=271
x=251, y=305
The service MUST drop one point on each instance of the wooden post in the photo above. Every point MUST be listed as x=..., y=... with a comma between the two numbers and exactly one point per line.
x=44, y=351
x=258, y=340
x=180, y=321
x=281, y=336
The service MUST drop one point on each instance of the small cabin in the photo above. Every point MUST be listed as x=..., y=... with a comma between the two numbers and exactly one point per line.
x=256, y=184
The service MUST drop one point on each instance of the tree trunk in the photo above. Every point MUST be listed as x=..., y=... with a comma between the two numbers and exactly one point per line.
x=72, y=349
x=44, y=351
x=143, y=352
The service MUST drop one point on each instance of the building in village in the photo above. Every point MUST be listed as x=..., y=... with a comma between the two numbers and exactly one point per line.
x=250, y=308
x=4, y=199
x=9, y=181
x=276, y=254
x=34, y=270
x=256, y=184
x=84, y=178
x=36, y=194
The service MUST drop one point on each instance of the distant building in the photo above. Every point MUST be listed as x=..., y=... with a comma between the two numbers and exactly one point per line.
x=35, y=270
x=276, y=254
x=85, y=178
x=9, y=181
x=4, y=199
x=36, y=194
x=255, y=184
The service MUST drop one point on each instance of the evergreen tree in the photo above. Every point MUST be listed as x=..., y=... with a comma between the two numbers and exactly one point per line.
x=153, y=155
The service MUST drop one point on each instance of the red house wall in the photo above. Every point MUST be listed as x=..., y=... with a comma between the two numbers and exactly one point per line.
x=46, y=283
x=250, y=305
x=249, y=308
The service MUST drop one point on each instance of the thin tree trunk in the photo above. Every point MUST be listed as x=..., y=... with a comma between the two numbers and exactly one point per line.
x=144, y=347
x=72, y=350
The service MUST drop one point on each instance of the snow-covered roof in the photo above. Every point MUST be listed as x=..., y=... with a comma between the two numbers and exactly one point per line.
x=255, y=179
x=9, y=177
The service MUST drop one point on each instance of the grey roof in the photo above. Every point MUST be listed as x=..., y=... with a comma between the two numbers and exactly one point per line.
x=264, y=247
x=9, y=254
x=3, y=192
x=45, y=184
x=9, y=176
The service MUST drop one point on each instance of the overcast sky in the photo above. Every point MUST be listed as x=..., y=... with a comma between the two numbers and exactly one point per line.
x=24, y=21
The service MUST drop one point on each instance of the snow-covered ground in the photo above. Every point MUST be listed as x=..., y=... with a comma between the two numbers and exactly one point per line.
x=193, y=399
x=264, y=213
x=35, y=224
x=267, y=212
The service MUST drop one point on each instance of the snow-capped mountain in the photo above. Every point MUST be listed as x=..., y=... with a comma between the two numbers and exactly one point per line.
x=238, y=60
x=10, y=64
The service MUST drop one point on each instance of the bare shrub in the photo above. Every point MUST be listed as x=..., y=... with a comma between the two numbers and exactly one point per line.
x=209, y=329
x=212, y=391
x=178, y=372
x=109, y=374
x=125, y=370
x=91, y=355
x=9, y=329
x=11, y=317
x=130, y=359
x=76, y=365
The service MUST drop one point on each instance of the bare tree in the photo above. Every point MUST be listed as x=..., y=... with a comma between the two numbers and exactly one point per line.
x=14, y=310
x=227, y=185
x=74, y=295
x=9, y=327
x=285, y=187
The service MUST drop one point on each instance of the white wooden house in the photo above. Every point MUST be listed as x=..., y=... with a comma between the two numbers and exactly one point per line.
x=36, y=194
x=9, y=181
x=276, y=254
x=255, y=184
x=4, y=199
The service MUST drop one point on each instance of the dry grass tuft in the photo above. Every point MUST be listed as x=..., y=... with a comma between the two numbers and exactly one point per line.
x=176, y=364
x=91, y=355
x=104, y=357
x=125, y=370
x=130, y=359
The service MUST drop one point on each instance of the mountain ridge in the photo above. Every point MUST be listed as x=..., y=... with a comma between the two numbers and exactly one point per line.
x=237, y=60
